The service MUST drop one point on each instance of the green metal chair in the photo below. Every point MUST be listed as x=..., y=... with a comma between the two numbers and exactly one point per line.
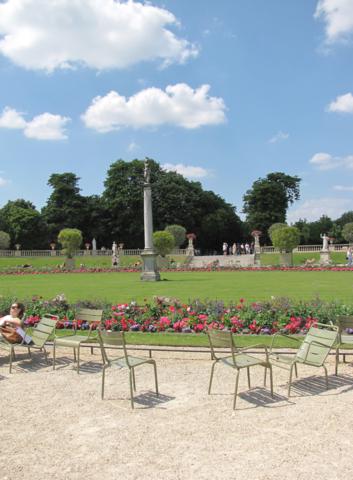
x=109, y=340
x=313, y=350
x=76, y=340
x=40, y=335
x=344, y=340
x=237, y=360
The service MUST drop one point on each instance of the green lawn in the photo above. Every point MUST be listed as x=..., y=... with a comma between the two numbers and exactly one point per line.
x=227, y=286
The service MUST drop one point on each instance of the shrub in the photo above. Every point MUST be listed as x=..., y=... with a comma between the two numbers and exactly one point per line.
x=274, y=227
x=286, y=238
x=178, y=232
x=163, y=242
x=70, y=239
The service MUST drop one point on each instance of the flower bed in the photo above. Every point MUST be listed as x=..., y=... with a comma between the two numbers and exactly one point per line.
x=170, y=315
x=212, y=267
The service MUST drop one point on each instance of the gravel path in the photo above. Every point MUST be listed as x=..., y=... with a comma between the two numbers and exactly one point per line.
x=55, y=426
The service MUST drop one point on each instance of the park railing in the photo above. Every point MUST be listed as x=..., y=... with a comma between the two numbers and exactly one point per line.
x=334, y=247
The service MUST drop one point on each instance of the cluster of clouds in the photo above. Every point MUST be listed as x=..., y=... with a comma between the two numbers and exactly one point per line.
x=338, y=18
x=178, y=105
x=41, y=127
x=100, y=34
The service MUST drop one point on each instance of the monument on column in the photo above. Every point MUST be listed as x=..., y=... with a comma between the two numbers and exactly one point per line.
x=149, y=257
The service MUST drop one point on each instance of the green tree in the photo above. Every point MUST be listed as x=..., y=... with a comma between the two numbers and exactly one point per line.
x=24, y=224
x=71, y=240
x=65, y=208
x=163, y=242
x=323, y=225
x=175, y=201
x=347, y=232
x=4, y=240
x=178, y=232
x=267, y=201
x=304, y=229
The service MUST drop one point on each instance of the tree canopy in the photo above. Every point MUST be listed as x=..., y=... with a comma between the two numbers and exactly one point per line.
x=267, y=201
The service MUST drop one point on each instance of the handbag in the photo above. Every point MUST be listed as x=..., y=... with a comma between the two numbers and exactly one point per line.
x=10, y=334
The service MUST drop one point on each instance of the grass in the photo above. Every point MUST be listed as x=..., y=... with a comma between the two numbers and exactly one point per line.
x=227, y=286
x=193, y=340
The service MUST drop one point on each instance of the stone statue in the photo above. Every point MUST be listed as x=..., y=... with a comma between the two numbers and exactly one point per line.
x=114, y=247
x=324, y=242
x=147, y=172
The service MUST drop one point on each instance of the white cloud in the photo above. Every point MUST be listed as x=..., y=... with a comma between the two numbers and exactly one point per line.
x=10, y=118
x=342, y=104
x=313, y=209
x=47, y=127
x=338, y=17
x=100, y=34
x=42, y=127
x=3, y=182
x=342, y=188
x=188, y=171
x=325, y=161
x=178, y=105
x=279, y=137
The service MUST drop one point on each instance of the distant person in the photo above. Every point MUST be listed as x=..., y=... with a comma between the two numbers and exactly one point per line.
x=234, y=248
x=349, y=257
x=114, y=260
x=225, y=248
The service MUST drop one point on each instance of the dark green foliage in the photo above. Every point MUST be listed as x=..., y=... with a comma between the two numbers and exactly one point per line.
x=4, y=240
x=347, y=232
x=286, y=238
x=175, y=201
x=163, y=242
x=267, y=201
x=24, y=224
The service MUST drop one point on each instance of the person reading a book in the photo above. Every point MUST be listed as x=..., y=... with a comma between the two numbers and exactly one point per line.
x=15, y=317
x=11, y=326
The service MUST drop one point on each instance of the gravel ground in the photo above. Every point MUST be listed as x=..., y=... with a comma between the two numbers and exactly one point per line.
x=54, y=424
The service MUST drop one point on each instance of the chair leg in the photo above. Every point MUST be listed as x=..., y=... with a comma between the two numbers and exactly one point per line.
x=211, y=377
x=296, y=370
x=78, y=359
x=74, y=349
x=45, y=355
x=133, y=379
x=265, y=376
x=236, y=389
x=337, y=360
x=290, y=378
x=248, y=372
x=155, y=377
x=29, y=352
x=131, y=389
x=326, y=377
x=271, y=378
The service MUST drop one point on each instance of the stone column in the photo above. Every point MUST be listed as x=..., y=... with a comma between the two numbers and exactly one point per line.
x=149, y=257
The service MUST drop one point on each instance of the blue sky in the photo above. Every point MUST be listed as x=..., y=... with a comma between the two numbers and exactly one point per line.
x=224, y=92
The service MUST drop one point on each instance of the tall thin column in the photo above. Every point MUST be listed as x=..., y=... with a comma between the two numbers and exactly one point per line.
x=149, y=257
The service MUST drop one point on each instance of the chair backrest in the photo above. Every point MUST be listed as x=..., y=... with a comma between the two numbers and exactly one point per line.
x=317, y=344
x=45, y=327
x=221, y=339
x=89, y=315
x=111, y=339
x=343, y=322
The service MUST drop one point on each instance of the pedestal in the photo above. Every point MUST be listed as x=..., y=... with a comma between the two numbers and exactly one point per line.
x=149, y=269
x=325, y=258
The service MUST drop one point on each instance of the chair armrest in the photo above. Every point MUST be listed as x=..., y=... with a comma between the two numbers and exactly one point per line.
x=276, y=335
x=258, y=345
x=315, y=342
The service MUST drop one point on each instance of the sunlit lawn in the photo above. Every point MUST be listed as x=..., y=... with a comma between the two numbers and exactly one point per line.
x=227, y=286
